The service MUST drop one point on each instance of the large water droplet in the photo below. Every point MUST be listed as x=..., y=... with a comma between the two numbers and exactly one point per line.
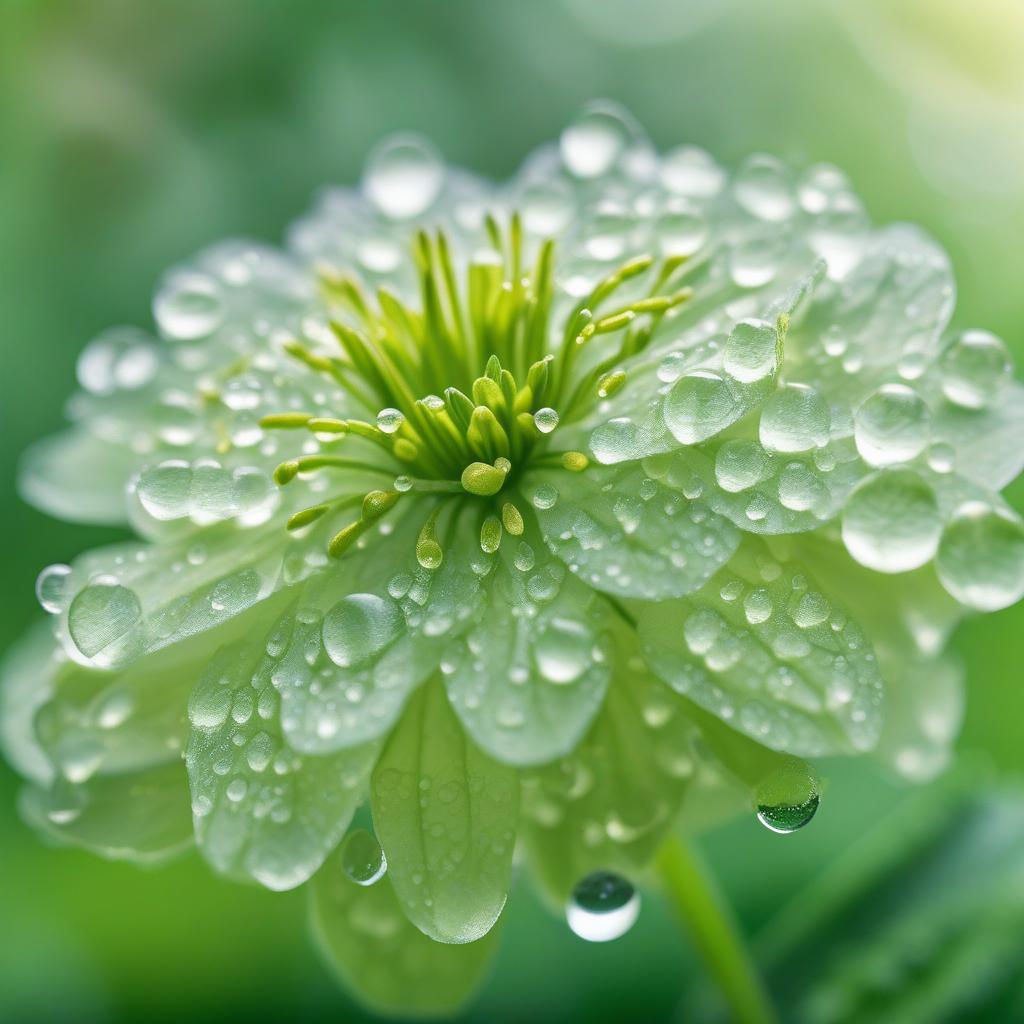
x=700, y=405
x=390, y=420
x=981, y=557
x=740, y=464
x=795, y=419
x=751, y=350
x=762, y=187
x=51, y=588
x=592, y=144
x=100, y=614
x=788, y=798
x=404, y=175
x=120, y=358
x=891, y=522
x=563, y=651
x=891, y=426
x=974, y=369
x=360, y=626
x=188, y=307
x=545, y=420
x=362, y=858
x=603, y=907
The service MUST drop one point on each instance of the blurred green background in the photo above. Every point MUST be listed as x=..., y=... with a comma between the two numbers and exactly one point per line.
x=131, y=134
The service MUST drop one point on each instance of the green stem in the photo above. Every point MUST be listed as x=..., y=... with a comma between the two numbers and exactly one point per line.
x=695, y=899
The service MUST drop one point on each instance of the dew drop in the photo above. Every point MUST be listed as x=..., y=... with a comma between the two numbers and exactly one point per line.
x=603, y=906
x=751, y=351
x=563, y=651
x=209, y=706
x=51, y=588
x=690, y=171
x=404, y=175
x=795, y=419
x=891, y=426
x=390, y=420
x=100, y=614
x=762, y=187
x=741, y=464
x=980, y=559
x=891, y=522
x=362, y=858
x=545, y=420
x=360, y=626
x=120, y=358
x=592, y=144
x=681, y=231
x=700, y=405
x=188, y=307
x=974, y=369
x=788, y=798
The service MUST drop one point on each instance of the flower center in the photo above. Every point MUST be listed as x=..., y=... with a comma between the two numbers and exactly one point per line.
x=450, y=429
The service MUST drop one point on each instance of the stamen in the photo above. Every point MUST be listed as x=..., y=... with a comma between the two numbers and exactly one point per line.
x=490, y=534
x=428, y=550
x=285, y=420
x=484, y=480
x=512, y=519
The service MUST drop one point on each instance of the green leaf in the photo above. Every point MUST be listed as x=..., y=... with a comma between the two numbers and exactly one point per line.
x=921, y=921
x=139, y=816
x=261, y=810
x=384, y=959
x=625, y=533
x=765, y=650
x=531, y=674
x=445, y=814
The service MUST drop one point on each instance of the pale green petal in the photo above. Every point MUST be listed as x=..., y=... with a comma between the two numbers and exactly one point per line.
x=765, y=650
x=261, y=810
x=79, y=477
x=138, y=816
x=625, y=533
x=445, y=814
x=383, y=958
x=374, y=628
x=532, y=673
x=27, y=680
x=132, y=599
x=608, y=804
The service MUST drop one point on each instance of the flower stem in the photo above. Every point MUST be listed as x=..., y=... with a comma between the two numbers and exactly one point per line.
x=693, y=895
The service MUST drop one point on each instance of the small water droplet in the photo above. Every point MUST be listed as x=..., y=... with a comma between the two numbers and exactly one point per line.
x=404, y=175
x=592, y=144
x=545, y=420
x=974, y=368
x=788, y=798
x=390, y=420
x=603, y=906
x=51, y=588
x=362, y=858
x=188, y=307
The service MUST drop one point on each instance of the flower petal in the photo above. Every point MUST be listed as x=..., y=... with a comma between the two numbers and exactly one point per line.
x=384, y=959
x=79, y=477
x=760, y=647
x=370, y=633
x=445, y=814
x=627, y=534
x=27, y=676
x=530, y=675
x=138, y=816
x=260, y=810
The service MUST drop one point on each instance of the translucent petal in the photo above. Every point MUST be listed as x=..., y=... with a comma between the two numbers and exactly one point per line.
x=767, y=652
x=625, y=533
x=608, y=804
x=373, y=630
x=27, y=676
x=531, y=674
x=445, y=814
x=79, y=477
x=138, y=816
x=261, y=810
x=382, y=957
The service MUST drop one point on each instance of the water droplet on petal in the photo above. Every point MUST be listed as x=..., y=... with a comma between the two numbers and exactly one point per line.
x=362, y=858
x=762, y=187
x=51, y=588
x=404, y=175
x=390, y=420
x=592, y=144
x=891, y=522
x=360, y=626
x=891, y=426
x=795, y=419
x=188, y=307
x=563, y=651
x=100, y=614
x=751, y=350
x=974, y=369
x=981, y=557
x=700, y=405
x=546, y=420
x=603, y=906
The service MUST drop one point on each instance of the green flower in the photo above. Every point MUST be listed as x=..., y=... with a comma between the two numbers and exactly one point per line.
x=546, y=518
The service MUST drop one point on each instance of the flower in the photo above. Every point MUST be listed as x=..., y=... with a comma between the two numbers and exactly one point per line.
x=550, y=516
